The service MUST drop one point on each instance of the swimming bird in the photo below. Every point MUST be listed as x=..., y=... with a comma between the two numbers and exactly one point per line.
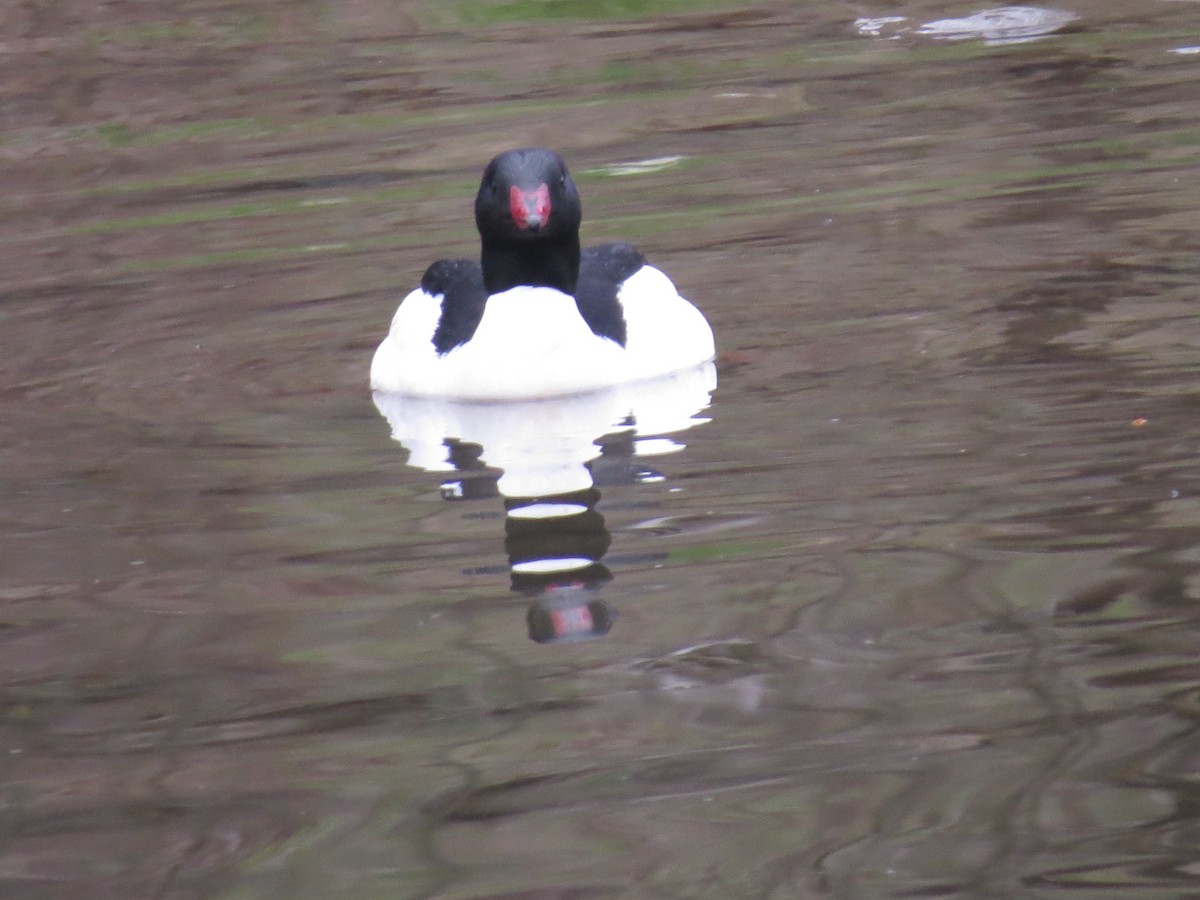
x=537, y=316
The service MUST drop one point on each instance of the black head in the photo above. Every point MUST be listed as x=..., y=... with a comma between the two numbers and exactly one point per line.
x=528, y=215
x=527, y=195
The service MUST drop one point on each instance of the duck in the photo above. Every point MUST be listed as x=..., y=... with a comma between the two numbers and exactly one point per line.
x=537, y=316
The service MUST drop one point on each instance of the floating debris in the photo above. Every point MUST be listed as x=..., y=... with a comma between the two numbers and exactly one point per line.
x=1002, y=25
x=888, y=27
x=640, y=167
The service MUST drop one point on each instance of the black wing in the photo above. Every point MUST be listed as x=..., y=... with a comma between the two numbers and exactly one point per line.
x=602, y=271
x=460, y=282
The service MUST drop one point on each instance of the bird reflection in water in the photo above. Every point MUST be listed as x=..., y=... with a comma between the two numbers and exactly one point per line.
x=548, y=459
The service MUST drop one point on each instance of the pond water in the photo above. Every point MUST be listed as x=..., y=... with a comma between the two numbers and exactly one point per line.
x=914, y=613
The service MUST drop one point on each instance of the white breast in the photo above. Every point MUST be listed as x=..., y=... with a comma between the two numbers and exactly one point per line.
x=532, y=343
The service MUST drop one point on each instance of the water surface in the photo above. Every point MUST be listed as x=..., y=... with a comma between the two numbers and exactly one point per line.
x=914, y=614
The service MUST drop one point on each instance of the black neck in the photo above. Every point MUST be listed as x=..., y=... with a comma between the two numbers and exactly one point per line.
x=545, y=262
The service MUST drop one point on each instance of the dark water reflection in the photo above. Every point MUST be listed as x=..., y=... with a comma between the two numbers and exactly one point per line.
x=914, y=615
x=549, y=458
